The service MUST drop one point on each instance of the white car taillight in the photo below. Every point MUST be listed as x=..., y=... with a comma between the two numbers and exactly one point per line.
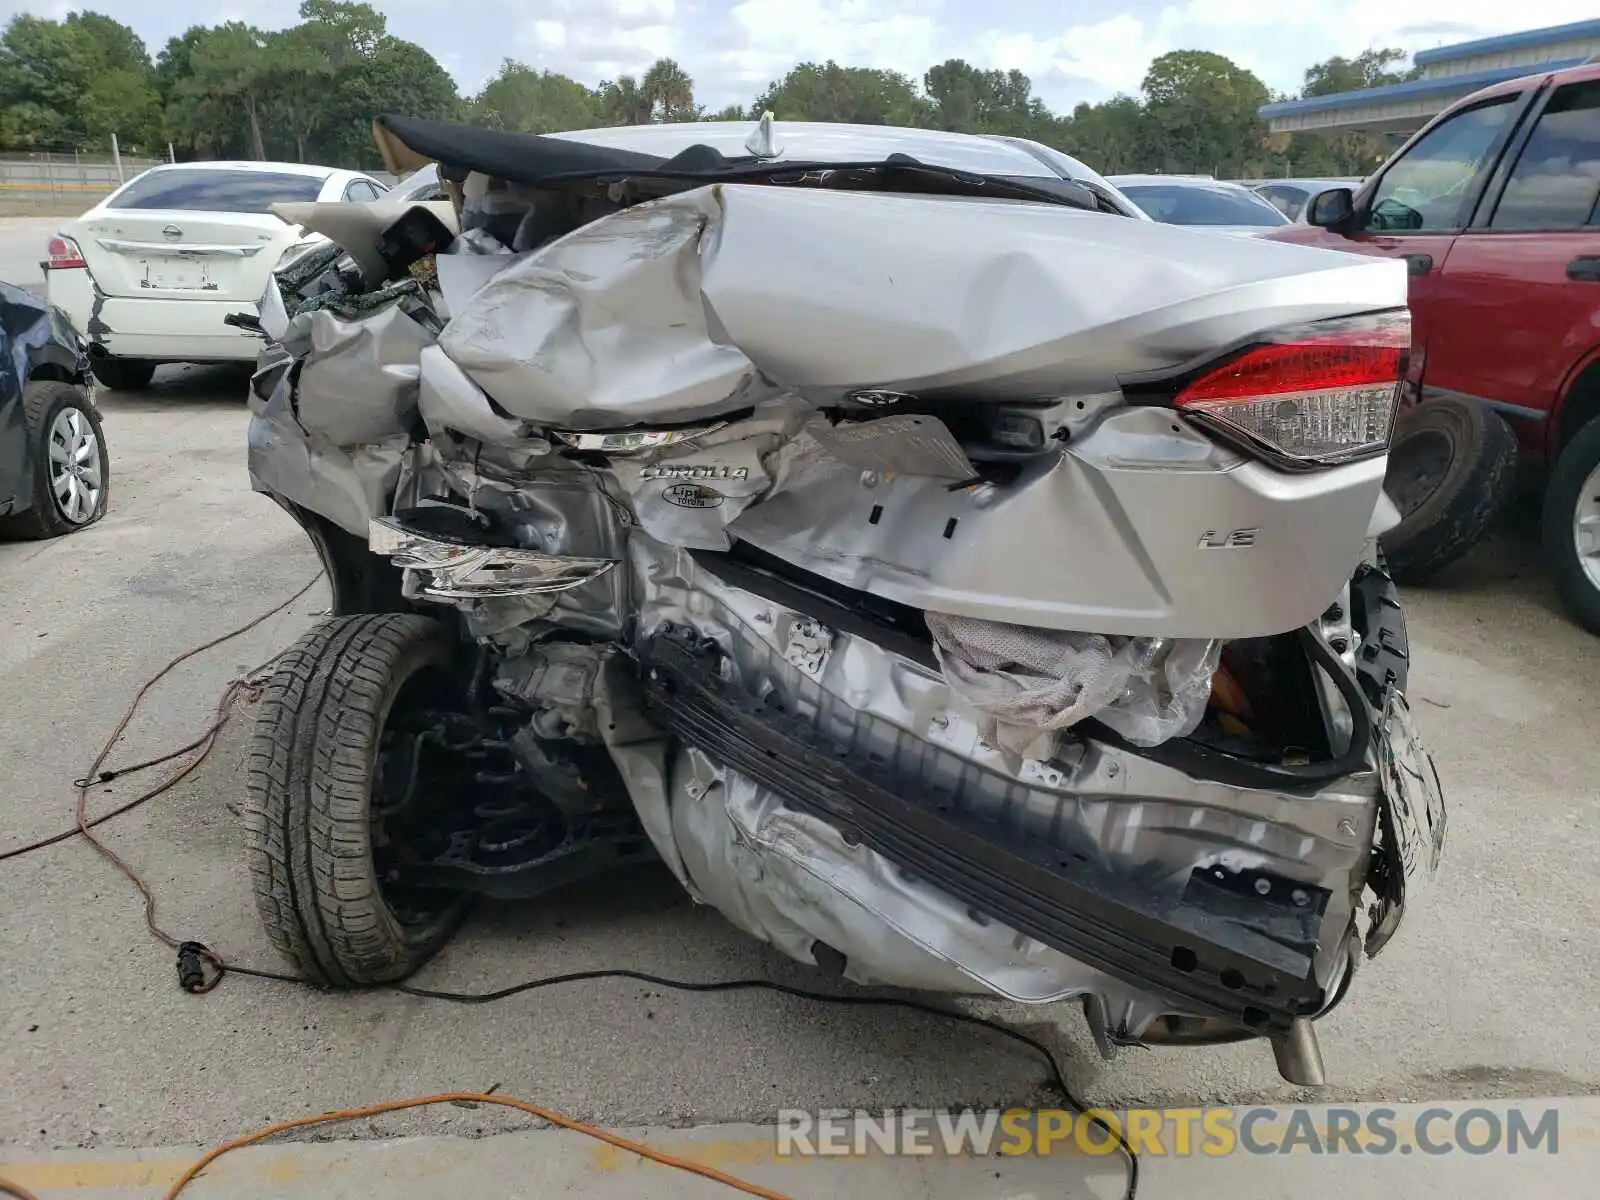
x=63, y=254
x=1321, y=393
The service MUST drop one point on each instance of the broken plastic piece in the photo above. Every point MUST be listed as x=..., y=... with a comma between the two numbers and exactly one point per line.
x=1028, y=681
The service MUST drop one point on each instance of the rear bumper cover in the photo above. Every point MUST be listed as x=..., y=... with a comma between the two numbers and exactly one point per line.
x=166, y=330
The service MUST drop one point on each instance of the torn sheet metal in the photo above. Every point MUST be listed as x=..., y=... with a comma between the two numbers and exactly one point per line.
x=358, y=380
x=1030, y=682
x=606, y=327
x=686, y=493
x=790, y=878
x=348, y=485
x=694, y=305
x=450, y=402
x=904, y=445
x=463, y=276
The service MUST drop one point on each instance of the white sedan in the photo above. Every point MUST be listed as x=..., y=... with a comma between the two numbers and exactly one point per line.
x=149, y=273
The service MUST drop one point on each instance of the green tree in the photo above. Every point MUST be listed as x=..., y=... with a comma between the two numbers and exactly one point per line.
x=1344, y=153
x=75, y=82
x=670, y=91
x=1112, y=137
x=1370, y=68
x=399, y=77
x=624, y=102
x=224, y=94
x=858, y=95
x=972, y=101
x=1201, y=110
x=518, y=97
x=302, y=64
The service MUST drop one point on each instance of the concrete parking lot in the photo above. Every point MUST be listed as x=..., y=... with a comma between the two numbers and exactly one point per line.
x=1491, y=990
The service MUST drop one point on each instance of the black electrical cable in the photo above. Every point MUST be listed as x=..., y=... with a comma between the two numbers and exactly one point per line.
x=1058, y=1076
x=201, y=969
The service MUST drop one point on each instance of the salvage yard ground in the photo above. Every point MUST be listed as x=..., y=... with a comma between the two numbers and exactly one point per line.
x=1491, y=990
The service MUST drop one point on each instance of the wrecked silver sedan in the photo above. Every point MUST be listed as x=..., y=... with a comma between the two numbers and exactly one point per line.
x=960, y=582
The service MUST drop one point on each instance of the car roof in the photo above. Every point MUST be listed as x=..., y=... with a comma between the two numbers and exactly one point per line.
x=1303, y=183
x=1195, y=181
x=275, y=168
x=826, y=141
x=1582, y=73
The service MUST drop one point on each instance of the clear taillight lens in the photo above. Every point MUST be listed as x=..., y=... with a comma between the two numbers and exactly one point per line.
x=64, y=254
x=1324, y=392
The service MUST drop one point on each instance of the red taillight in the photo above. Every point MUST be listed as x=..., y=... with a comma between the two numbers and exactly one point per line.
x=1322, y=392
x=64, y=254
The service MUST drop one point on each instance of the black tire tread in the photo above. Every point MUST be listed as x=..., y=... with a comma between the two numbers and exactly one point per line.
x=309, y=774
x=1479, y=491
x=124, y=374
x=41, y=520
x=1578, y=458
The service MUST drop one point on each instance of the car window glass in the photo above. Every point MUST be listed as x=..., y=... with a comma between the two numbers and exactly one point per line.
x=1557, y=178
x=215, y=190
x=358, y=190
x=1425, y=189
x=1285, y=199
x=1198, y=204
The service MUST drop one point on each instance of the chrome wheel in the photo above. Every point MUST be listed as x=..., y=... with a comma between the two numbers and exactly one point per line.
x=1586, y=527
x=76, y=477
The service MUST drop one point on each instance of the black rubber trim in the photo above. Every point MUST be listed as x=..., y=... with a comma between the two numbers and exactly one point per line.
x=895, y=627
x=1384, y=660
x=1213, y=953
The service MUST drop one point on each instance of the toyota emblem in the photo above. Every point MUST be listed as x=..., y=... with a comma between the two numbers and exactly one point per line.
x=172, y=233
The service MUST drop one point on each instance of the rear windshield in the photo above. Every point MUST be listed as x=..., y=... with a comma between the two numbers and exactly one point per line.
x=217, y=191
x=1178, y=204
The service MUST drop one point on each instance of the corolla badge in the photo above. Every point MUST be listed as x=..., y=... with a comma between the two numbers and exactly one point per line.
x=172, y=233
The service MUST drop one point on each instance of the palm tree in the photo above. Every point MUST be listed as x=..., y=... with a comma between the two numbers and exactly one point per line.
x=670, y=92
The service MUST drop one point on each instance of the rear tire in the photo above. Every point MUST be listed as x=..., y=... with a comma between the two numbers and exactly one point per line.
x=67, y=450
x=314, y=762
x=124, y=374
x=1573, y=493
x=1452, y=469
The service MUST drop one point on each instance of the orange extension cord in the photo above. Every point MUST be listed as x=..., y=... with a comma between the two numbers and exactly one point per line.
x=389, y=1106
x=239, y=689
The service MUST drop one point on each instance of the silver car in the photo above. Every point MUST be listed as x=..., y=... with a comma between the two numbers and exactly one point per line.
x=959, y=581
x=1203, y=203
x=1291, y=196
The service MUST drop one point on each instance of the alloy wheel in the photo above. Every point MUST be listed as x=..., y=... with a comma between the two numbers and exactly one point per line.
x=76, y=477
x=1586, y=527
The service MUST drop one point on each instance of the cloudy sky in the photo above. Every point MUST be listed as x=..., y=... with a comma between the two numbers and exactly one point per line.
x=1073, y=49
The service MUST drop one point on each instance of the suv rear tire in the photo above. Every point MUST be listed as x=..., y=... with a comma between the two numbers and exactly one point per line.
x=1452, y=468
x=1573, y=493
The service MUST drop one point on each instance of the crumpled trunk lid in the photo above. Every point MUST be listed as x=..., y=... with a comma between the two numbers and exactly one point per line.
x=694, y=304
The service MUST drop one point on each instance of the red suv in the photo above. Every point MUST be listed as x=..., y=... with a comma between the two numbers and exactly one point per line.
x=1494, y=207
